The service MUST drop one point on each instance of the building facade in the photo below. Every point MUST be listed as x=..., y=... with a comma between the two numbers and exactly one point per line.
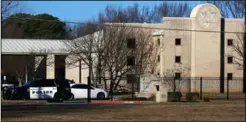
x=192, y=44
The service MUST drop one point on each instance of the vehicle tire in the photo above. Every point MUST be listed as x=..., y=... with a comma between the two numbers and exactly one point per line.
x=4, y=92
x=100, y=96
x=71, y=97
x=58, y=98
x=27, y=96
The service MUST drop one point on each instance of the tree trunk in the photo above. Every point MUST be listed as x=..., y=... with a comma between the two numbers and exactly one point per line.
x=111, y=86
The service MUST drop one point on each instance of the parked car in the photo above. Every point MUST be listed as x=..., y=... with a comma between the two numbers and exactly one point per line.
x=8, y=83
x=79, y=91
x=44, y=89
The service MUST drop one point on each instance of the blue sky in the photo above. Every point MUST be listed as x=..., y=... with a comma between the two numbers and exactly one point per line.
x=76, y=11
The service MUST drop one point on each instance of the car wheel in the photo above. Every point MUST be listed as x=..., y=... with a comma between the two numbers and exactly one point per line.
x=71, y=97
x=100, y=96
x=58, y=97
x=4, y=92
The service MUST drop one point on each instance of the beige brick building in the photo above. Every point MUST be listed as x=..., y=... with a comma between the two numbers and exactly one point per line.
x=192, y=42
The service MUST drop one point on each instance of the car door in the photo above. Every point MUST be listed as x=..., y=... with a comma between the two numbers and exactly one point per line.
x=93, y=92
x=42, y=89
x=79, y=91
x=48, y=89
x=35, y=89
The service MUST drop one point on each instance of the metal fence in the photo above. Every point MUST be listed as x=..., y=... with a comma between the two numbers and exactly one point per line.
x=207, y=87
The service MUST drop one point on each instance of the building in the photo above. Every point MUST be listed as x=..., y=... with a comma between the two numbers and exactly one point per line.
x=193, y=43
x=37, y=58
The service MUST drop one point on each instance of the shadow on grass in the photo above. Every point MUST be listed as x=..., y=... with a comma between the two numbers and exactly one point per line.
x=12, y=111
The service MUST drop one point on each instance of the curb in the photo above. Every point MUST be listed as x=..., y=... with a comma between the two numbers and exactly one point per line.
x=116, y=102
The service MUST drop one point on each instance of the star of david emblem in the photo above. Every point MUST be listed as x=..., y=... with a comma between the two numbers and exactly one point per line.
x=207, y=17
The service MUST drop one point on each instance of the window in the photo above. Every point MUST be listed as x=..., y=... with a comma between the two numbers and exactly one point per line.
x=62, y=83
x=178, y=41
x=158, y=41
x=81, y=86
x=229, y=76
x=130, y=60
x=230, y=60
x=229, y=42
x=158, y=59
x=49, y=83
x=131, y=43
x=177, y=75
x=130, y=78
x=177, y=59
x=38, y=83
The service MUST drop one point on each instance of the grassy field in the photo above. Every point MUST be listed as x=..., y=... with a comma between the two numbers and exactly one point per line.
x=222, y=110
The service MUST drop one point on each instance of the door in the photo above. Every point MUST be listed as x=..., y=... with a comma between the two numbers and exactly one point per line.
x=42, y=89
x=79, y=91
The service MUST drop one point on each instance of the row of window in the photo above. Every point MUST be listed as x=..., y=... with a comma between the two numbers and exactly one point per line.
x=178, y=59
x=178, y=75
x=178, y=41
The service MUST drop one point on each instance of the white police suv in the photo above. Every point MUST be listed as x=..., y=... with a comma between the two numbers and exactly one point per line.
x=44, y=89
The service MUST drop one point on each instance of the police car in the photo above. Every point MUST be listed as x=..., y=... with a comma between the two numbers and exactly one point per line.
x=44, y=89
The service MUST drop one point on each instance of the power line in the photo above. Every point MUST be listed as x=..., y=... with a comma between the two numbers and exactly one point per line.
x=134, y=26
x=58, y=21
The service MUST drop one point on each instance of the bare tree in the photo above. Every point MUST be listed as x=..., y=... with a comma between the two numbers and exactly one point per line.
x=230, y=8
x=166, y=9
x=115, y=52
x=7, y=7
x=86, y=48
x=175, y=83
x=130, y=14
x=234, y=9
x=237, y=49
x=137, y=14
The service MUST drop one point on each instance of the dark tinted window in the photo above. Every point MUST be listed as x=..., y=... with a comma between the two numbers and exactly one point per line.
x=178, y=41
x=131, y=43
x=37, y=83
x=177, y=75
x=130, y=60
x=81, y=86
x=48, y=83
x=230, y=59
x=177, y=59
x=230, y=42
x=42, y=83
x=63, y=83
x=229, y=76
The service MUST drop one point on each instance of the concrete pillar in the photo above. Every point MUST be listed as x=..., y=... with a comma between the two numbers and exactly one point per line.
x=50, y=66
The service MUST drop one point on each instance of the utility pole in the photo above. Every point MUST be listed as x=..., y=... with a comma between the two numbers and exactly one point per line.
x=80, y=71
x=89, y=90
x=244, y=51
x=89, y=77
x=222, y=54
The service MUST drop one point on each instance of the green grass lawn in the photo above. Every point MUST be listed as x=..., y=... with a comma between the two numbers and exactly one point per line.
x=215, y=110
